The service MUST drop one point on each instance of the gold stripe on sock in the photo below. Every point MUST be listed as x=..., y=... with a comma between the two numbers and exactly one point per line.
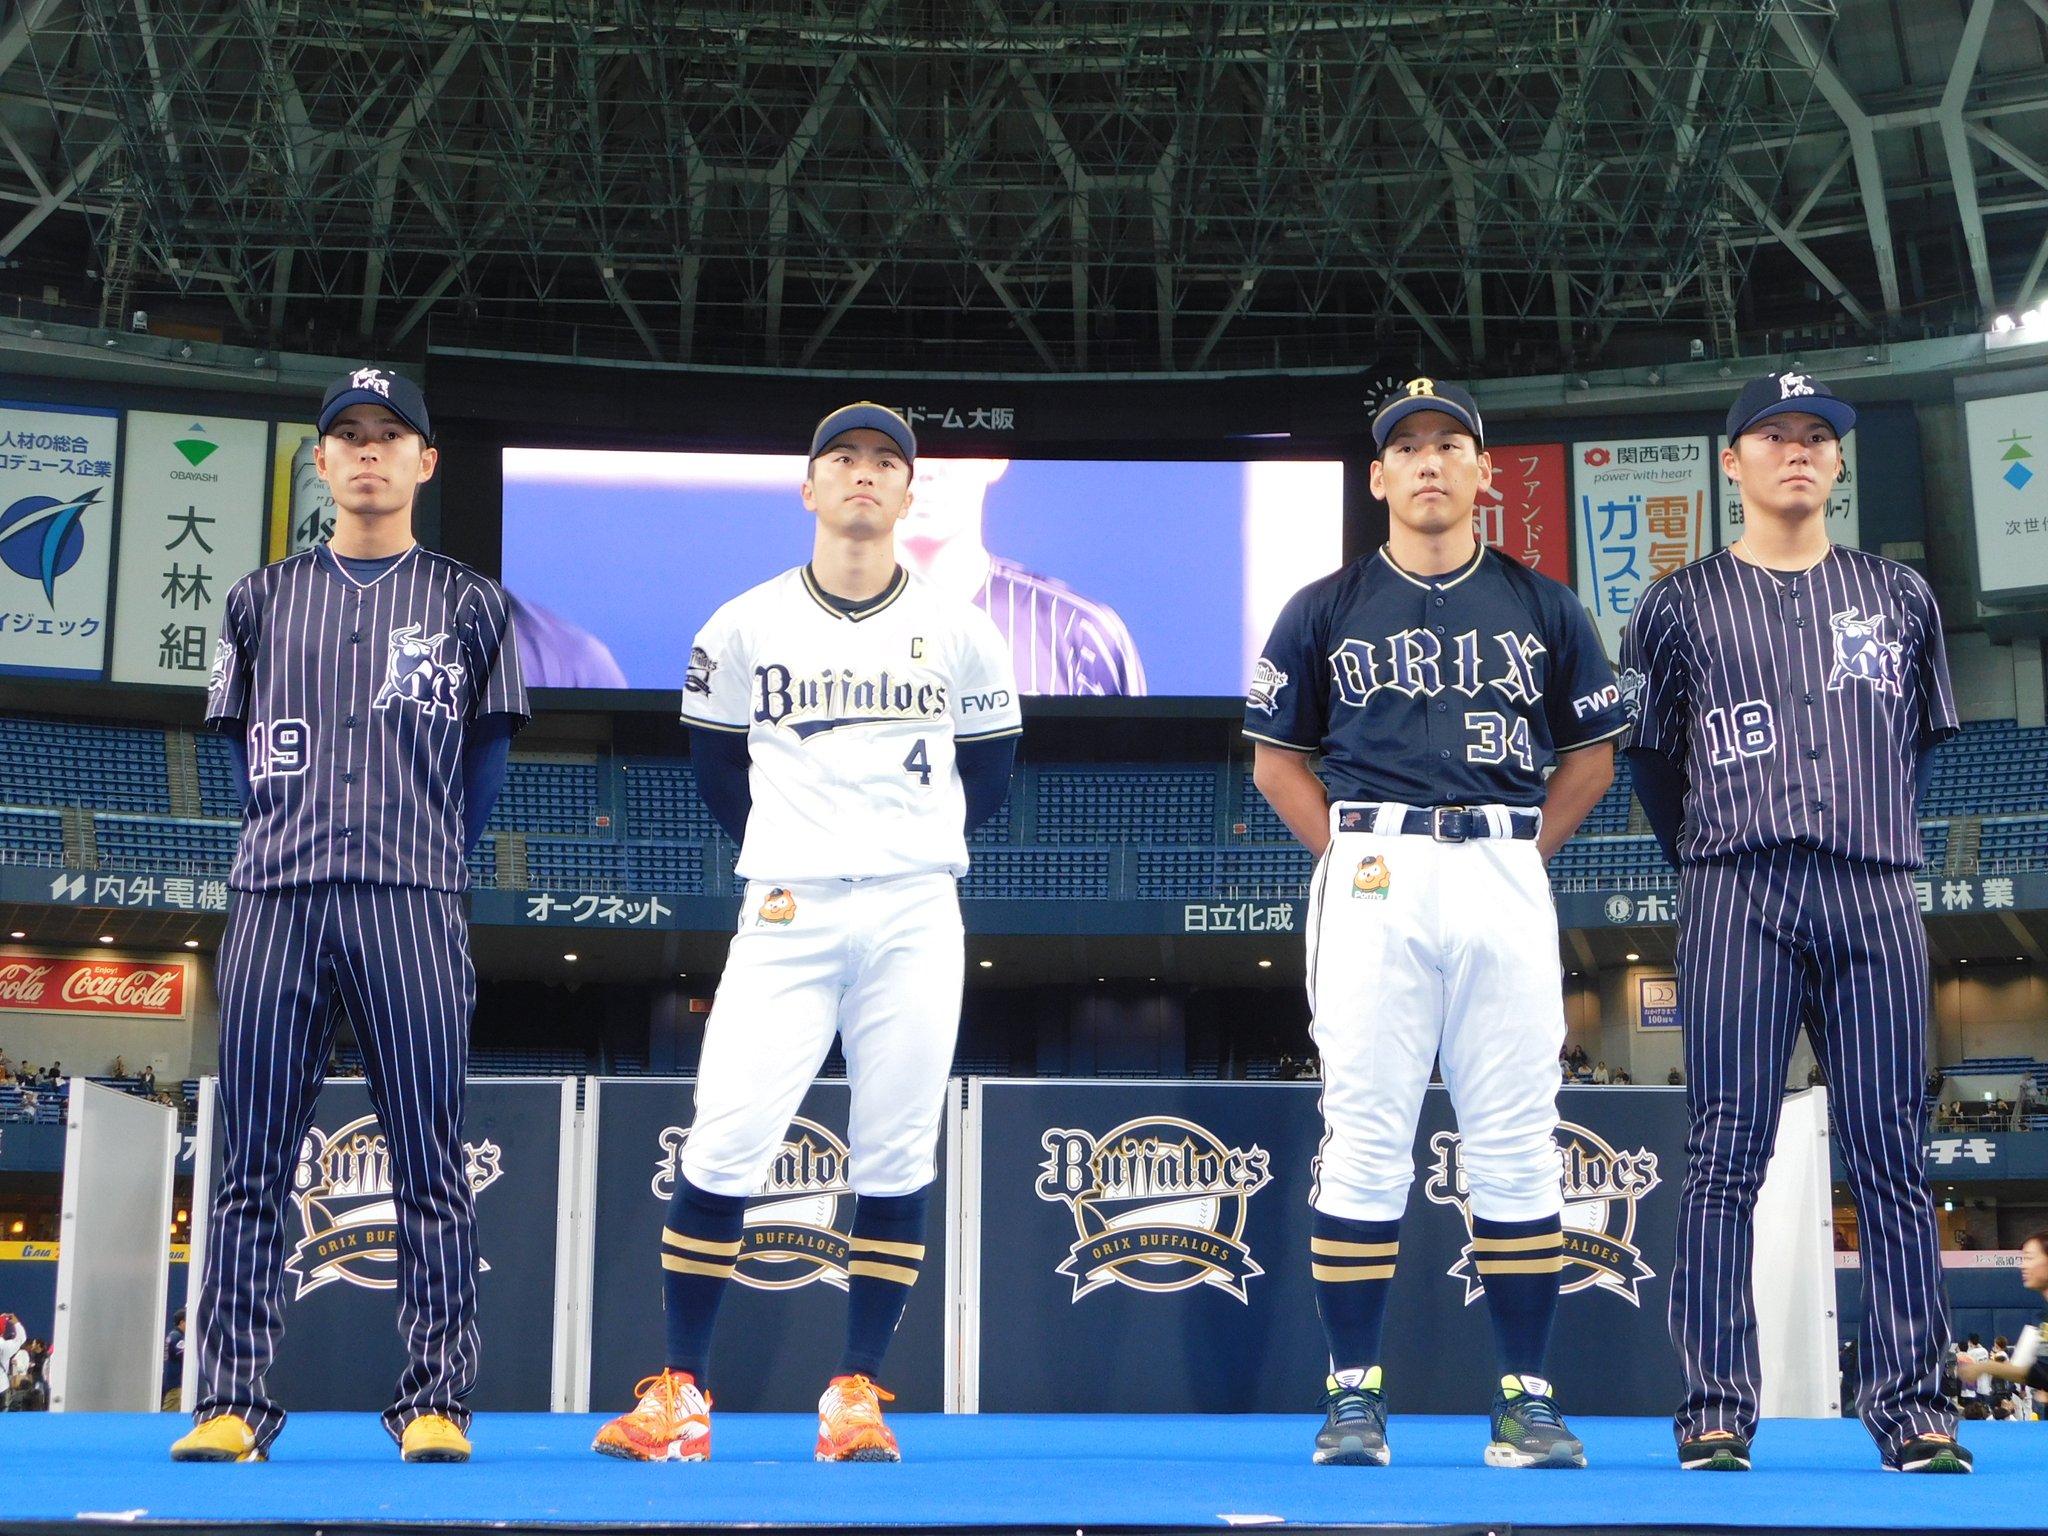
x=682, y=1240
x=1331, y=1248
x=901, y=1274
x=900, y=1250
x=1352, y=1271
x=1549, y=1266
x=695, y=1267
x=1517, y=1244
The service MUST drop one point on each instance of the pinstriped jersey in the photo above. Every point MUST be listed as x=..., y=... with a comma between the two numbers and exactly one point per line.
x=1434, y=690
x=1060, y=642
x=353, y=698
x=851, y=721
x=1797, y=702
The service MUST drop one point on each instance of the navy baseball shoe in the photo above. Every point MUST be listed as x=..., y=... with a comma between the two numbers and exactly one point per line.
x=1722, y=1451
x=1931, y=1453
x=1528, y=1431
x=1354, y=1432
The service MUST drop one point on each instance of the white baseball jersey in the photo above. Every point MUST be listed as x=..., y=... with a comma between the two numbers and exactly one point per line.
x=851, y=720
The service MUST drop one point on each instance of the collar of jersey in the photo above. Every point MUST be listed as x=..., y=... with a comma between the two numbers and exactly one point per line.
x=1433, y=583
x=330, y=562
x=888, y=595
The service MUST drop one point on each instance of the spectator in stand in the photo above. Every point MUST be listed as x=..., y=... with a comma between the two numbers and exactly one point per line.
x=2026, y=1365
x=1621, y=1076
x=30, y=1104
x=1600, y=1074
x=18, y=1363
x=174, y=1364
x=2024, y=1105
x=147, y=1077
x=117, y=1068
x=1675, y=1078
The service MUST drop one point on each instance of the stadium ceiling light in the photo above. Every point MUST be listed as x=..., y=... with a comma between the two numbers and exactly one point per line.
x=986, y=964
x=1631, y=955
x=191, y=943
x=19, y=933
x=571, y=956
x=106, y=938
x=1265, y=965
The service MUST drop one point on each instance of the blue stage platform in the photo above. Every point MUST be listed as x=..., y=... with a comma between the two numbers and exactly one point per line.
x=339, y=1472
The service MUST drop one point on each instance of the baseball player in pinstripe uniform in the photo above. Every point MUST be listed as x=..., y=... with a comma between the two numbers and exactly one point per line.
x=1466, y=718
x=850, y=724
x=1060, y=642
x=371, y=688
x=1791, y=692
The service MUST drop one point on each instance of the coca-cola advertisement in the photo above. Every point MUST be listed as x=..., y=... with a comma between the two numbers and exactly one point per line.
x=108, y=989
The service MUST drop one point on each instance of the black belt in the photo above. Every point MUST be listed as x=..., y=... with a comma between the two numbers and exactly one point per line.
x=1444, y=823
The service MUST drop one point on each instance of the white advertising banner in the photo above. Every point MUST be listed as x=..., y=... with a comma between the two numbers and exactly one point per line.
x=1640, y=506
x=56, y=537
x=1844, y=526
x=2008, y=450
x=192, y=510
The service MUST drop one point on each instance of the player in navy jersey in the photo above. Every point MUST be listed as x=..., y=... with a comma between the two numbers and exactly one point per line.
x=370, y=688
x=1790, y=692
x=1060, y=641
x=1466, y=718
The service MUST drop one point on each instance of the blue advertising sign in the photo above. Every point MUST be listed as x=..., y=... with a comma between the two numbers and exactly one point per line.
x=341, y=1348
x=1159, y=1231
x=782, y=1324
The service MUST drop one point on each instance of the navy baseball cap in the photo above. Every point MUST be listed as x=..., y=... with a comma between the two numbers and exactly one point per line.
x=865, y=413
x=1427, y=395
x=377, y=386
x=1778, y=394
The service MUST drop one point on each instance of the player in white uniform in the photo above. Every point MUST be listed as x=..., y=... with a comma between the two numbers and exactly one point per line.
x=850, y=725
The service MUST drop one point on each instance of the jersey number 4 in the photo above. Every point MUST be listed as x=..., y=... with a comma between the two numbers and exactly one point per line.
x=1498, y=738
x=919, y=762
x=279, y=748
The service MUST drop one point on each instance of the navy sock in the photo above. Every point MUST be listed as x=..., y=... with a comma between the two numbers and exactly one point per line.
x=700, y=1242
x=1519, y=1262
x=888, y=1252
x=1353, y=1266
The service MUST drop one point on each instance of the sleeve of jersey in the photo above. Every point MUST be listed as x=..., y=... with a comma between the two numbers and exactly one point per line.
x=1285, y=703
x=494, y=642
x=984, y=696
x=715, y=687
x=1585, y=704
x=1653, y=682
x=227, y=691
x=1938, y=719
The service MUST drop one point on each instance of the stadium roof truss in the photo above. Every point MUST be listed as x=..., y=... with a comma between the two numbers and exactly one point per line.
x=997, y=185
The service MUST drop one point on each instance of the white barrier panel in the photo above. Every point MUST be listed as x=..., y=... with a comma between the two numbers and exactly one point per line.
x=119, y=1154
x=1794, y=1269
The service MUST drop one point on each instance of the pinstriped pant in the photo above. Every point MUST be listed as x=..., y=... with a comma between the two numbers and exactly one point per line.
x=1767, y=943
x=397, y=958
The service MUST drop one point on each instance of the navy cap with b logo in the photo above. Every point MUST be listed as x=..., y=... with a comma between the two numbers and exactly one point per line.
x=1778, y=394
x=865, y=413
x=1427, y=395
x=377, y=386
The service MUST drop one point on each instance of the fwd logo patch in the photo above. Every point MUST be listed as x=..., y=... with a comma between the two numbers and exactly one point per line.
x=984, y=702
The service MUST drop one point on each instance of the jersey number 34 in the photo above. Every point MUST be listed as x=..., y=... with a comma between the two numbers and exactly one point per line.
x=1496, y=738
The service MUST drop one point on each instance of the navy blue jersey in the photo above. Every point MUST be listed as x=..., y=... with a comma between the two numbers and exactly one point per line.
x=353, y=698
x=1444, y=690
x=1798, y=703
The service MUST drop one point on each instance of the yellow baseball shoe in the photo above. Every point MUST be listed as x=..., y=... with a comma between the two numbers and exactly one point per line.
x=431, y=1437
x=226, y=1437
